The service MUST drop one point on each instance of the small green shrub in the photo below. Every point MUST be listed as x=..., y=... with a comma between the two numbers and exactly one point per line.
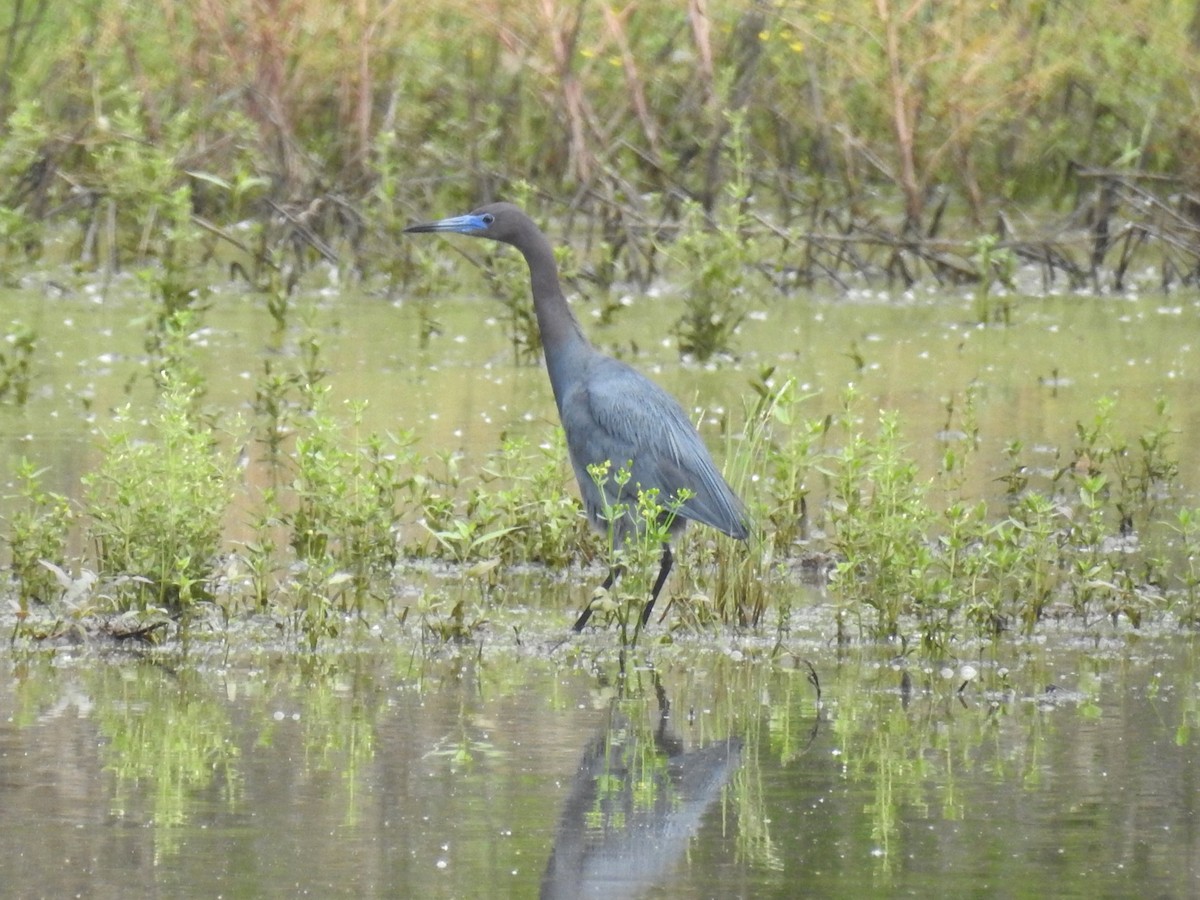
x=16, y=362
x=715, y=258
x=156, y=504
x=524, y=491
x=38, y=526
x=347, y=513
x=882, y=524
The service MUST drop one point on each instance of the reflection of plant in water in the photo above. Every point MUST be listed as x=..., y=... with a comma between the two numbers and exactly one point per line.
x=635, y=768
x=462, y=751
x=913, y=735
x=168, y=732
x=339, y=721
x=468, y=744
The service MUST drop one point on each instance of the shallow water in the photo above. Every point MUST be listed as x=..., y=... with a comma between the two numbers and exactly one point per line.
x=911, y=353
x=388, y=764
x=1065, y=768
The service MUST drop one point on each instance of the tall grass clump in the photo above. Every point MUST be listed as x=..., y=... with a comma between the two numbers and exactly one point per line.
x=770, y=463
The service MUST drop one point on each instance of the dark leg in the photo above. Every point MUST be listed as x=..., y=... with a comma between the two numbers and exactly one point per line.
x=613, y=574
x=663, y=572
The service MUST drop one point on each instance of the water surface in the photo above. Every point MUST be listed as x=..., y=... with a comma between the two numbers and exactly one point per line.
x=1065, y=768
x=232, y=763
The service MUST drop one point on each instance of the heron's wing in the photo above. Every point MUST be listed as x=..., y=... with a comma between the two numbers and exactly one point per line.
x=614, y=413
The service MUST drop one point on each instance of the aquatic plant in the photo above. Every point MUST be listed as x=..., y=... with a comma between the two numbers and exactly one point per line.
x=1187, y=526
x=881, y=522
x=16, y=362
x=155, y=506
x=38, y=524
x=770, y=460
x=995, y=264
x=346, y=494
x=714, y=259
x=522, y=490
x=633, y=537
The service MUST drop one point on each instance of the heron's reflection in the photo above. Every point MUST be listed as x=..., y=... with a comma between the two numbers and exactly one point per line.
x=635, y=801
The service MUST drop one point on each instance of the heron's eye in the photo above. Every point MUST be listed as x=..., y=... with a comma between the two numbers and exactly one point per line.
x=488, y=218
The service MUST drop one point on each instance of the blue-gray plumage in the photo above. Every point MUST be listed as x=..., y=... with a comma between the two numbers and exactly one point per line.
x=610, y=412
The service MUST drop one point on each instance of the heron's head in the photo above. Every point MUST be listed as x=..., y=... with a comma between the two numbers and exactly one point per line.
x=497, y=221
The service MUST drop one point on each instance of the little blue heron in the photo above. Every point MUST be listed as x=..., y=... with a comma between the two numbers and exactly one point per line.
x=611, y=414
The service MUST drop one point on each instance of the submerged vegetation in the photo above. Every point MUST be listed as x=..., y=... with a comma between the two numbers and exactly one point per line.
x=742, y=150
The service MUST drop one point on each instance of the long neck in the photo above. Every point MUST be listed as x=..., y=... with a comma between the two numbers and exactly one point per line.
x=562, y=339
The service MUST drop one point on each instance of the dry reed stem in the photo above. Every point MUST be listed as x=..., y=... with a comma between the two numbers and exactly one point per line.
x=905, y=108
x=563, y=33
x=701, y=25
x=637, y=90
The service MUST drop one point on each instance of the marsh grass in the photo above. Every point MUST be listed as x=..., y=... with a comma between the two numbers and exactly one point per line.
x=909, y=556
x=333, y=512
x=276, y=132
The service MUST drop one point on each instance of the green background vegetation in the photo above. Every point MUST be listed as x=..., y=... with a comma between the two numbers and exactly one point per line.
x=263, y=140
x=120, y=117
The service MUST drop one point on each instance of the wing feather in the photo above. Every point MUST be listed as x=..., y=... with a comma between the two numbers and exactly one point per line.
x=614, y=413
